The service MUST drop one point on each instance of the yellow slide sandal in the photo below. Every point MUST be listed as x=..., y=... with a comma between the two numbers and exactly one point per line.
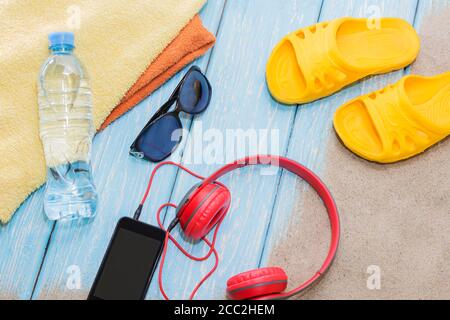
x=397, y=122
x=314, y=62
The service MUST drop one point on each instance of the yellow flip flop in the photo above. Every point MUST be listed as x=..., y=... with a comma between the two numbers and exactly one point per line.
x=319, y=60
x=397, y=122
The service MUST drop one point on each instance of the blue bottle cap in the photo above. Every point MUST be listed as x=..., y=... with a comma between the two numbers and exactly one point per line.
x=62, y=38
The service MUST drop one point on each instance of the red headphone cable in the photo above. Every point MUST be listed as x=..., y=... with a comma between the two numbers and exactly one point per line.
x=211, y=246
x=169, y=237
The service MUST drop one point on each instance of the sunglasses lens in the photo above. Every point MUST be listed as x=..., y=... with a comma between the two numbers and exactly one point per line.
x=195, y=93
x=160, y=139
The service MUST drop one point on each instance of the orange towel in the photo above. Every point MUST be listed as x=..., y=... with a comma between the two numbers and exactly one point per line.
x=192, y=42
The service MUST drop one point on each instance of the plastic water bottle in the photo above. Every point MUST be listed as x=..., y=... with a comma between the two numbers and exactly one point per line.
x=66, y=131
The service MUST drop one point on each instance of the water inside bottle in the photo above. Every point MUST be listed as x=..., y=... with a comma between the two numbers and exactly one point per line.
x=66, y=130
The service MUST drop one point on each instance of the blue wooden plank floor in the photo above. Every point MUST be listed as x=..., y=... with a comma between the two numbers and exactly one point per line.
x=39, y=259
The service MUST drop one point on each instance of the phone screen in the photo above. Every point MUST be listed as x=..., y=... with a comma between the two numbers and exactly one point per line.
x=129, y=262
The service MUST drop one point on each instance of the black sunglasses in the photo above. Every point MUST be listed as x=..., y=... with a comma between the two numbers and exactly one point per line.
x=163, y=132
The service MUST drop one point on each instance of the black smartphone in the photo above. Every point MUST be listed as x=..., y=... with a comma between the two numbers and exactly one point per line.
x=129, y=262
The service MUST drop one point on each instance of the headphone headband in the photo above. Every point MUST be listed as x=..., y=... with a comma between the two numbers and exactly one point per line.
x=312, y=179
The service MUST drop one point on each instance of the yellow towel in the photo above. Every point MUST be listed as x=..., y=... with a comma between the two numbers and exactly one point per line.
x=116, y=40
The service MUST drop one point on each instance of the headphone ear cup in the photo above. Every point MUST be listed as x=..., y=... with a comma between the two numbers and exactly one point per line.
x=203, y=209
x=257, y=283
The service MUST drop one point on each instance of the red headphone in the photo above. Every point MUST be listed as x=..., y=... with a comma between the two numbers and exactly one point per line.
x=206, y=205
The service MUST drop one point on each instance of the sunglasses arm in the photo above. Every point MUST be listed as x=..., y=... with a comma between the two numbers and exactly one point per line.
x=173, y=98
